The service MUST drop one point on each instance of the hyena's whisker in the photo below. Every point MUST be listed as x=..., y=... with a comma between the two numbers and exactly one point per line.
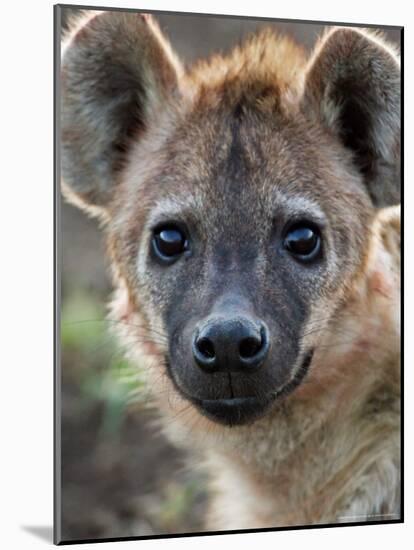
x=116, y=322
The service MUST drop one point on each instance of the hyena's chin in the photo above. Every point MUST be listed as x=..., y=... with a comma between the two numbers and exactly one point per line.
x=238, y=410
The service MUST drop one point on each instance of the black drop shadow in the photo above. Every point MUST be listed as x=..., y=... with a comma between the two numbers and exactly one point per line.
x=44, y=532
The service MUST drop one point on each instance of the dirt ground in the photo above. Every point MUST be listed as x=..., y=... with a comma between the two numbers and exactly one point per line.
x=132, y=483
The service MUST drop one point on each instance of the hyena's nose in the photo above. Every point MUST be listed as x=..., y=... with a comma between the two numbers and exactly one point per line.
x=230, y=345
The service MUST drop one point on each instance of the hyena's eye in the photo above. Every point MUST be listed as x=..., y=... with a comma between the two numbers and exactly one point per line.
x=303, y=241
x=169, y=242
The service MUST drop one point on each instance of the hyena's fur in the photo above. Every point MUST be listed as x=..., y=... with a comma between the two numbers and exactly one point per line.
x=329, y=451
x=332, y=452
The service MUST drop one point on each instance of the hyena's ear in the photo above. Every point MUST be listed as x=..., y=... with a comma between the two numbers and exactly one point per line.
x=353, y=84
x=118, y=72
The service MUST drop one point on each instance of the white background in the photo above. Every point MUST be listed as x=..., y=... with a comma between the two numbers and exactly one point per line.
x=26, y=270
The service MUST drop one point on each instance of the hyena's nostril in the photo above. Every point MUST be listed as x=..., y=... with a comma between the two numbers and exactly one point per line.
x=206, y=347
x=204, y=351
x=230, y=345
x=254, y=348
x=249, y=347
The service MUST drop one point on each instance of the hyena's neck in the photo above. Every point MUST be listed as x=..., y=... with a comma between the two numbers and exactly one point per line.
x=307, y=461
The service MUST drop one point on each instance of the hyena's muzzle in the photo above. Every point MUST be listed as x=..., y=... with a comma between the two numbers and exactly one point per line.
x=231, y=347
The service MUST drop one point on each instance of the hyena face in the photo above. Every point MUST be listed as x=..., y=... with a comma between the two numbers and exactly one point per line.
x=237, y=195
x=237, y=261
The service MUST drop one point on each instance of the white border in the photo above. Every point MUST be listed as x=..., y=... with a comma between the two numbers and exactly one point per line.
x=26, y=269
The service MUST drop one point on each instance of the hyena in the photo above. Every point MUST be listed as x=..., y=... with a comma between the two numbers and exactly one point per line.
x=250, y=206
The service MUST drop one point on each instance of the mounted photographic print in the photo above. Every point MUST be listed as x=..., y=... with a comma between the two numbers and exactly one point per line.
x=228, y=274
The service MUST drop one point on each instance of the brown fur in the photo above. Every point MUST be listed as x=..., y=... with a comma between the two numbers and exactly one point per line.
x=331, y=453
x=253, y=135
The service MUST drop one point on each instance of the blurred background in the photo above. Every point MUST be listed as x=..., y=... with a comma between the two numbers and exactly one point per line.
x=119, y=476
